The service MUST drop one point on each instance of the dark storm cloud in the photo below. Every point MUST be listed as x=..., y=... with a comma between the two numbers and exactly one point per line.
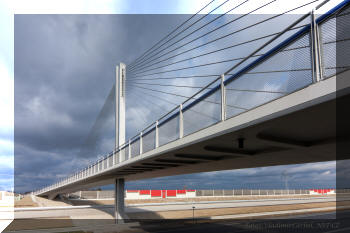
x=64, y=70
x=65, y=67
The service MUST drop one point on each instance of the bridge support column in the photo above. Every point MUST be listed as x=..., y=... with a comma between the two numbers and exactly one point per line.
x=119, y=201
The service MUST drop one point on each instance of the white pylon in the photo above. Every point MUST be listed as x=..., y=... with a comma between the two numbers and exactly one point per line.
x=120, y=105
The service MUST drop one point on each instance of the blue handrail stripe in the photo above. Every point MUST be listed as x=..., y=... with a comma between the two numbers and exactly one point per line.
x=251, y=65
x=170, y=117
x=332, y=11
x=148, y=131
x=135, y=139
x=269, y=53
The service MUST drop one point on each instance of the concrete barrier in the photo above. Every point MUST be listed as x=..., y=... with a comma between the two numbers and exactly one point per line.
x=88, y=194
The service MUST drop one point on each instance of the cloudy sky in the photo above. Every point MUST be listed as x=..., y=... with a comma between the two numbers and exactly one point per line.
x=62, y=68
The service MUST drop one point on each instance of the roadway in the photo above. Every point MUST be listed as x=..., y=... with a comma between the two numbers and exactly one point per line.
x=106, y=211
x=296, y=223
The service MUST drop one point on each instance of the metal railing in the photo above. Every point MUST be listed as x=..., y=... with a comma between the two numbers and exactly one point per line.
x=109, y=194
x=217, y=101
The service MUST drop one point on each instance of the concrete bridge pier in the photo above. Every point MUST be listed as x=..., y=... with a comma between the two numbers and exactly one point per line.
x=119, y=205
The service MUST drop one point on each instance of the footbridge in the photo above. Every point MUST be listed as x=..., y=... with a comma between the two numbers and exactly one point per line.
x=216, y=129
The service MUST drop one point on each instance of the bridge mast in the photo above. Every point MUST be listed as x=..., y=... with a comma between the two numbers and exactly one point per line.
x=120, y=77
x=120, y=105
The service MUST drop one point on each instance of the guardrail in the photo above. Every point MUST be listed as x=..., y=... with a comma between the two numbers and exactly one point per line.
x=303, y=57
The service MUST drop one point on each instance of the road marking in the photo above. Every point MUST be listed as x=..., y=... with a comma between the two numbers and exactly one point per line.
x=273, y=213
x=339, y=230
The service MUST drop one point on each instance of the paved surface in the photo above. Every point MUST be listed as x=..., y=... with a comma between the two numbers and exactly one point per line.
x=225, y=204
x=105, y=212
x=100, y=217
x=300, y=224
x=317, y=222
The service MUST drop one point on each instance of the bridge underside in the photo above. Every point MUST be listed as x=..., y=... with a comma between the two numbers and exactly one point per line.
x=297, y=128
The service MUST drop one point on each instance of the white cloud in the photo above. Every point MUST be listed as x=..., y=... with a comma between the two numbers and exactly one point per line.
x=310, y=167
x=276, y=7
x=6, y=126
x=6, y=153
x=6, y=98
x=65, y=6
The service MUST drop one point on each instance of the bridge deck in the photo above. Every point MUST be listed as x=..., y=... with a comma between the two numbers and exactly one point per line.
x=296, y=128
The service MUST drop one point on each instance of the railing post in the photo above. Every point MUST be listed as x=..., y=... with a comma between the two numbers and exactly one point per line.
x=157, y=134
x=315, y=49
x=113, y=158
x=141, y=143
x=181, y=122
x=223, y=98
x=319, y=51
x=129, y=154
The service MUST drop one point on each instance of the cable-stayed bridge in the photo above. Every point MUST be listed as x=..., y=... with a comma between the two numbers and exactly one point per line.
x=275, y=105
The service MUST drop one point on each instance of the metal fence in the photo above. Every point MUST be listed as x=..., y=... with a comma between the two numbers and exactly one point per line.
x=109, y=194
x=305, y=55
x=250, y=192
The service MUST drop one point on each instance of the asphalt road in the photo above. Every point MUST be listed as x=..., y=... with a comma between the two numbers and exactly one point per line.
x=298, y=223
x=316, y=222
x=106, y=212
x=311, y=223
